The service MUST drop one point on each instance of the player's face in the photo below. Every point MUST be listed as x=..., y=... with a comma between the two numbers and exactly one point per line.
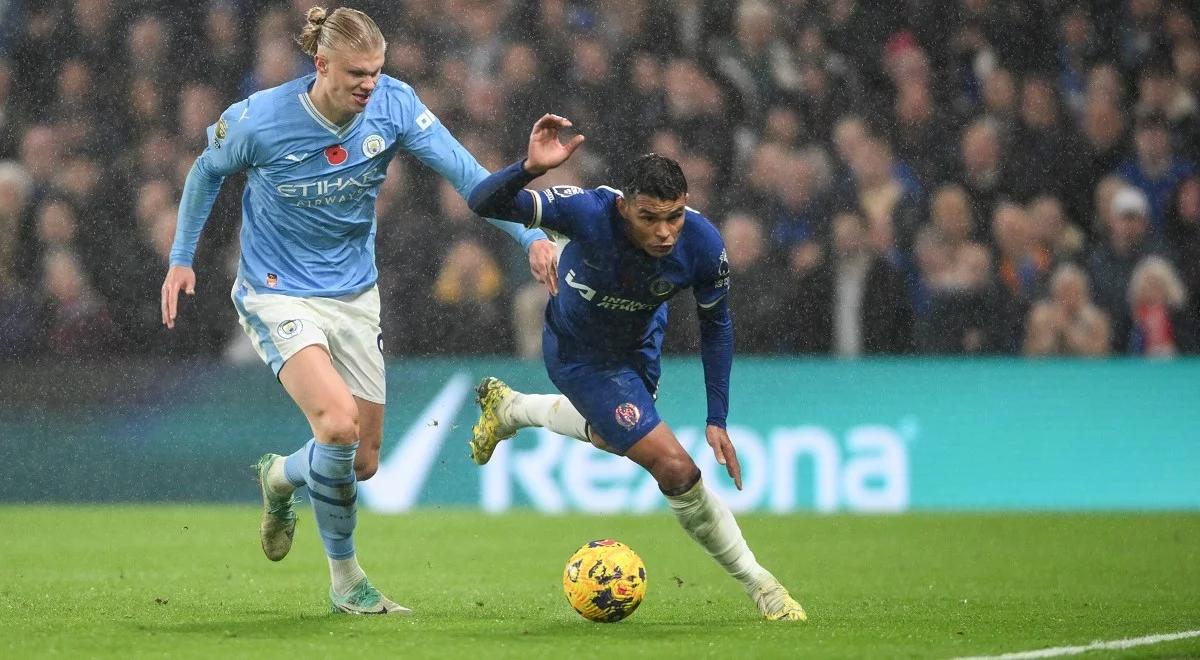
x=654, y=224
x=350, y=76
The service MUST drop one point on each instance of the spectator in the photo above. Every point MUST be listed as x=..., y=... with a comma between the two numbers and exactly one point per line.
x=1053, y=232
x=1112, y=262
x=922, y=135
x=1000, y=106
x=1078, y=50
x=1021, y=269
x=983, y=174
x=852, y=304
x=890, y=198
x=19, y=310
x=755, y=63
x=1044, y=152
x=1183, y=229
x=754, y=298
x=1155, y=169
x=1067, y=322
x=954, y=279
x=468, y=313
x=77, y=320
x=1160, y=326
x=1161, y=94
x=1104, y=147
x=7, y=118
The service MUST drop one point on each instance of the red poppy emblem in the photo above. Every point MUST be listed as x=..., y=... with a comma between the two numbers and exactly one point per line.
x=336, y=155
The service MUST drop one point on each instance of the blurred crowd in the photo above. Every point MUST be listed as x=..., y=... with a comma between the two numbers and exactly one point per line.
x=910, y=176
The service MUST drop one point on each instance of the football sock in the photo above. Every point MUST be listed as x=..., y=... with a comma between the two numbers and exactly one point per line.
x=333, y=490
x=277, y=480
x=295, y=466
x=345, y=573
x=551, y=411
x=710, y=523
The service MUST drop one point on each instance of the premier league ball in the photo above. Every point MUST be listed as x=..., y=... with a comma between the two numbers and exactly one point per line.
x=605, y=581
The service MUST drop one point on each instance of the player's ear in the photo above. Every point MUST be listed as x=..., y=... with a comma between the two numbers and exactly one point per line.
x=621, y=206
x=322, y=64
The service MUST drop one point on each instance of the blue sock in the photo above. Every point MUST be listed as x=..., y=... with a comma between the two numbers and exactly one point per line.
x=295, y=466
x=333, y=490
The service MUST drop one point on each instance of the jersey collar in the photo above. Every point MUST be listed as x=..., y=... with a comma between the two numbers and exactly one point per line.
x=338, y=131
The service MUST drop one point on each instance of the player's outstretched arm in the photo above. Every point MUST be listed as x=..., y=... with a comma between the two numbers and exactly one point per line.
x=499, y=195
x=432, y=143
x=546, y=150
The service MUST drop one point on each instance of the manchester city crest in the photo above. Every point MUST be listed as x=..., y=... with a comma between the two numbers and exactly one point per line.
x=289, y=329
x=373, y=145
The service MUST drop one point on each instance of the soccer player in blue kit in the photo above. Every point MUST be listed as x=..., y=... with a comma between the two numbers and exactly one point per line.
x=628, y=252
x=315, y=151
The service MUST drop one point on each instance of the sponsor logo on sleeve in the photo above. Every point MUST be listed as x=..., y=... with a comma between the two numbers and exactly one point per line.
x=425, y=120
x=566, y=191
x=272, y=280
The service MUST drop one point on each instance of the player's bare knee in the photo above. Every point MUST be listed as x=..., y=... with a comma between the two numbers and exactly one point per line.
x=336, y=427
x=366, y=469
x=675, y=474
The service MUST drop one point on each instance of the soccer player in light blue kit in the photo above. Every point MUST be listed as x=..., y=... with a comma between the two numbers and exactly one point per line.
x=315, y=151
x=629, y=251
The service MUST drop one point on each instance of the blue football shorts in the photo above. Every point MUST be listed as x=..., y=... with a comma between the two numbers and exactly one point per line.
x=616, y=397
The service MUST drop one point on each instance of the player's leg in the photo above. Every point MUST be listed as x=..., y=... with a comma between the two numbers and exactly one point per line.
x=709, y=521
x=503, y=411
x=357, y=349
x=333, y=413
x=278, y=328
x=370, y=436
x=293, y=336
x=620, y=408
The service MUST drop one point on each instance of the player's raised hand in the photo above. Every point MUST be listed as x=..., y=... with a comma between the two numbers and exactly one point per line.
x=546, y=150
x=179, y=278
x=543, y=263
x=722, y=446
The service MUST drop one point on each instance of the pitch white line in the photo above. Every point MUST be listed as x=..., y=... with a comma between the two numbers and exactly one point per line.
x=1116, y=645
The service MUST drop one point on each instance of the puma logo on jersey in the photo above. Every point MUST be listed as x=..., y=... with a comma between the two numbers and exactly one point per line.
x=295, y=157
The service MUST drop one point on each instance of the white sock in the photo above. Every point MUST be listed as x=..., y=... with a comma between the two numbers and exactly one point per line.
x=710, y=523
x=551, y=411
x=277, y=479
x=345, y=573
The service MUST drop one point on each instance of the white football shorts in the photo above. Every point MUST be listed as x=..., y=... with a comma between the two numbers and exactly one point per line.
x=348, y=327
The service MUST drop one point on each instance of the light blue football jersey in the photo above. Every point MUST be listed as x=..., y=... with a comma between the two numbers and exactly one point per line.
x=308, y=211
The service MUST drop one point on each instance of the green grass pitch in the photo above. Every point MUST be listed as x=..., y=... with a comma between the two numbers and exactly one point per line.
x=191, y=582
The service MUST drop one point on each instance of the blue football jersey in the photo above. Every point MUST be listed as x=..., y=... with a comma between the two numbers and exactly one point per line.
x=612, y=294
x=308, y=211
